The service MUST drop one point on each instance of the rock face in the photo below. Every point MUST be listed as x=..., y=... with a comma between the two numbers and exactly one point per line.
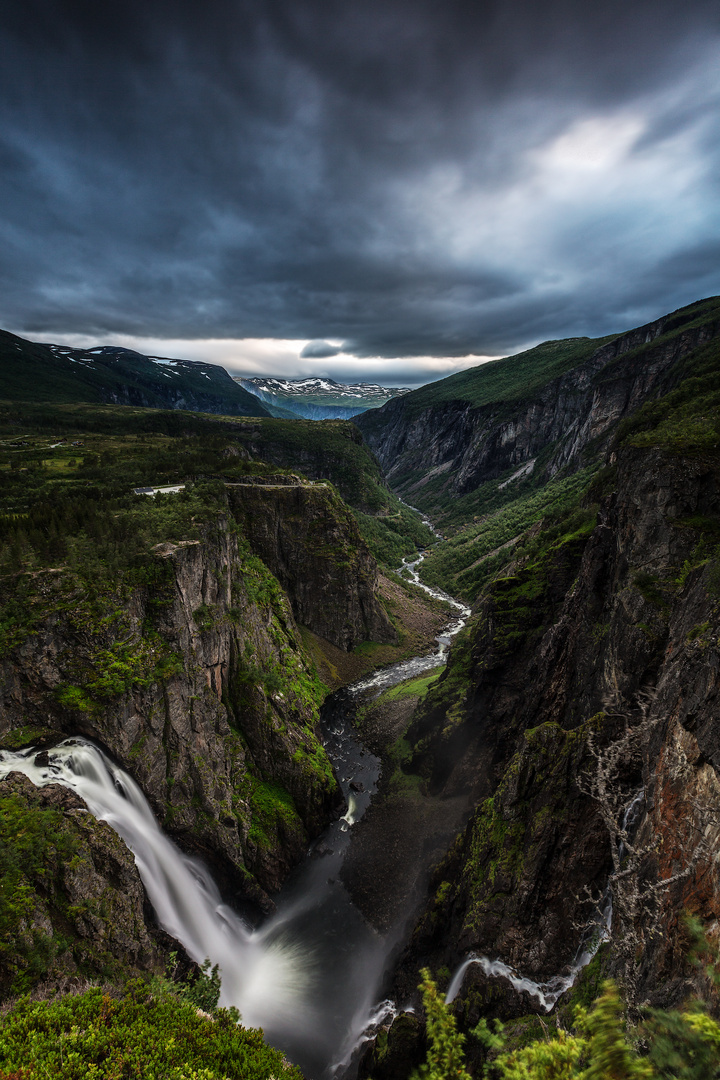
x=618, y=624
x=309, y=540
x=461, y=446
x=73, y=905
x=196, y=681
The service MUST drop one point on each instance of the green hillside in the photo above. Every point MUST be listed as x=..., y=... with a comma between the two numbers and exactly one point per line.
x=58, y=460
x=513, y=379
x=52, y=373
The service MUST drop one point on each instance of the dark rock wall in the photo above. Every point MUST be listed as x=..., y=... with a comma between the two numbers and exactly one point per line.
x=471, y=445
x=308, y=538
x=629, y=610
x=215, y=698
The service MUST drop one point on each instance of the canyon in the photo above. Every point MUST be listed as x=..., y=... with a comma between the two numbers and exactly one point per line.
x=584, y=682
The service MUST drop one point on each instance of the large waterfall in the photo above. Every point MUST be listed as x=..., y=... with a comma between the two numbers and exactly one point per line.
x=310, y=975
x=262, y=978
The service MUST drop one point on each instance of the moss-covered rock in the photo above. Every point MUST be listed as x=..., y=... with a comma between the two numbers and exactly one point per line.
x=71, y=900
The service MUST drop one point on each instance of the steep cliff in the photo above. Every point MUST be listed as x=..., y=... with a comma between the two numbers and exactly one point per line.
x=72, y=905
x=614, y=622
x=310, y=541
x=536, y=412
x=191, y=672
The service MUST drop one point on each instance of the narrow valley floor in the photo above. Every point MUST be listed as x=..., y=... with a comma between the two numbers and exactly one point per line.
x=405, y=831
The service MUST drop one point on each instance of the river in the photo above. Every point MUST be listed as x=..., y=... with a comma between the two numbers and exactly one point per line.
x=310, y=975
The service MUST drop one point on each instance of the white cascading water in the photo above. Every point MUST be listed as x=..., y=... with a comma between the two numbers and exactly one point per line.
x=311, y=974
x=264, y=980
x=597, y=932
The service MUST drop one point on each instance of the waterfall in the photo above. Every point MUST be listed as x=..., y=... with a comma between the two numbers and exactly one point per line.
x=596, y=933
x=267, y=980
x=310, y=975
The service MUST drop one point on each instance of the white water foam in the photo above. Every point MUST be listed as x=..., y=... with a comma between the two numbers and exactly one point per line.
x=409, y=669
x=597, y=932
x=267, y=981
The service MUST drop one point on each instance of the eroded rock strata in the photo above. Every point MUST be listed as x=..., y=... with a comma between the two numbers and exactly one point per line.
x=460, y=445
x=196, y=680
x=617, y=624
x=308, y=538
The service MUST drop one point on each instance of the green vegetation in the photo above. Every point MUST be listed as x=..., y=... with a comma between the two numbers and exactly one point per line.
x=509, y=380
x=148, y=1034
x=466, y=561
x=416, y=688
x=393, y=537
x=686, y=420
x=445, y=1058
x=33, y=843
x=675, y=1045
x=70, y=469
x=32, y=372
x=272, y=811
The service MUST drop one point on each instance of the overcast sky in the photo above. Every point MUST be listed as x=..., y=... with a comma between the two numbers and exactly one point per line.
x=359, y=188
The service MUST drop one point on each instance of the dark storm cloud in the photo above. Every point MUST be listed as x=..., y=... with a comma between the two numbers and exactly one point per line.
x=408, y=178
x=319, y=350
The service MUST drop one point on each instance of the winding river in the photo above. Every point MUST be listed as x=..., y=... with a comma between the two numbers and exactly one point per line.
x=310, y=975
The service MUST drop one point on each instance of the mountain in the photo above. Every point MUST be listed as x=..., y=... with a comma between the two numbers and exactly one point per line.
x=537, y=412
x=581, y=483
x=320, y=399
x=488, y=452
x=549, y=797
x=56, y=373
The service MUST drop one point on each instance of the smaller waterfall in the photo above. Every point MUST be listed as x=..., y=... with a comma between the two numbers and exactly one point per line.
x=597, y=932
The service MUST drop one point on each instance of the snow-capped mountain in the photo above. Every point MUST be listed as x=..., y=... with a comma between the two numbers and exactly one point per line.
x=32, y=371
x=318, y=398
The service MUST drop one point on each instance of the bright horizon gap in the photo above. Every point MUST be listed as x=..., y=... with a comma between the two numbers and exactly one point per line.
x=279, y=358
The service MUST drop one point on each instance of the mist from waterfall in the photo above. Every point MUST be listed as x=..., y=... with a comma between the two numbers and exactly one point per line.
x=311, y=974
x=262, y=977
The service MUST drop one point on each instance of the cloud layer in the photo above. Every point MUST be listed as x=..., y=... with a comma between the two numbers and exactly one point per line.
x=377, y=179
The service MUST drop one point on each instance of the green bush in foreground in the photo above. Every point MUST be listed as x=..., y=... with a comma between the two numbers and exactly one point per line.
x=677, y=1045
x=141, y=1035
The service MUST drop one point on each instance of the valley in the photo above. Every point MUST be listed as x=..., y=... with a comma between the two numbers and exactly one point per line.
x=256, y=650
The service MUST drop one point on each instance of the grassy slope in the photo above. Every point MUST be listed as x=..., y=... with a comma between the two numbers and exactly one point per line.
x=33, y=372
x=510, y=379
x=485, y=525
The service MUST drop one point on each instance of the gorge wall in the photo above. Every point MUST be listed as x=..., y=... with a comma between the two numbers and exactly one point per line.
x=464, y=445
x=586, y=681
x=193, y=676
x=615, y=624
x=326, y=569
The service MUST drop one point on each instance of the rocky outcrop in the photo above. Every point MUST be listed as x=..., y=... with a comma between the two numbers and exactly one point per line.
x=459, y=446
x=73, y=906
x=194, y=678
x=619, y=623
x=308, y=538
